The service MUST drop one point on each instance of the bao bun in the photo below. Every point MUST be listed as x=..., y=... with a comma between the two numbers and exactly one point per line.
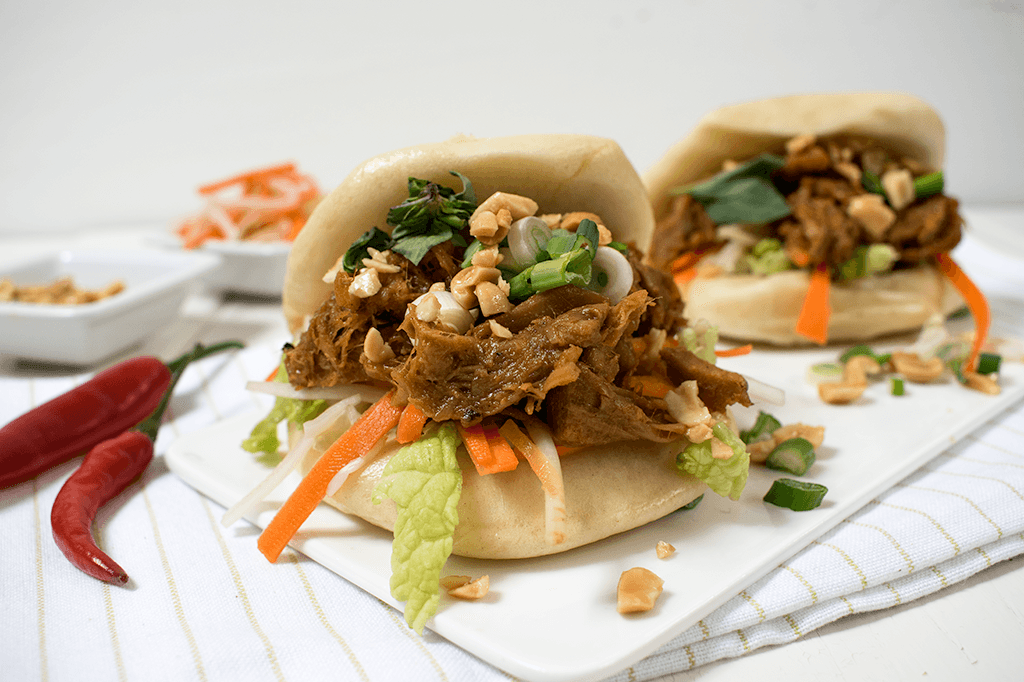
x=559, y=172
x=765, y=309
x=609, y=489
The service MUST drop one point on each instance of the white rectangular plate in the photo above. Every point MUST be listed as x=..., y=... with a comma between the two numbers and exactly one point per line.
x=554, y=618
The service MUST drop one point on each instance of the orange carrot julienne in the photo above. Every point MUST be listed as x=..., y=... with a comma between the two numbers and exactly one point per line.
x=501, y=451
x=800, y=258
x=249, y=176
x=536, y=459
x=733, y=352
x=685, y=276
x=686, y=261
x=484, y=457
x=976, y=303
x=410, y=424
x=650, y=386
x=813, y=320
x=373, y=425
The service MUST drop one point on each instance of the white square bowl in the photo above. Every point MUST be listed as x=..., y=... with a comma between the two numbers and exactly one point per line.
x=246, y=267
x=156, y=284
x=254, y=268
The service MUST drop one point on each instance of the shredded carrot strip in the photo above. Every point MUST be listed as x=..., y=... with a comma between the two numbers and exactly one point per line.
x=273, y=374
x=248, y=177
x=564, y=450
x=410, y=424
x=536, y=459
x=800, y=258
x=650, y=386
x=486, y=458
x=976, y=303
x=373, y=425
x=686, y=261
x=733, y=352
x=685, y=276
x=813, y=320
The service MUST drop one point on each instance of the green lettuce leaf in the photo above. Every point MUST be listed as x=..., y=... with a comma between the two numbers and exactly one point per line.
x=263, y=438
x=425, y=482
x=727, y=477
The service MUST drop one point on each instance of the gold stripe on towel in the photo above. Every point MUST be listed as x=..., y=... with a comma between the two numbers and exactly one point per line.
x=172, y=586
x=44, y=668
x=322, y=617
x=242, y=593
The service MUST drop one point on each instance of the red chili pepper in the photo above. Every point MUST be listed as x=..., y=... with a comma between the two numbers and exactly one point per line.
x=107, y=470
x=114, y=400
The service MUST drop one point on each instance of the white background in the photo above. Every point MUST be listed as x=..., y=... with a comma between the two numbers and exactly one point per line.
x=112, y=112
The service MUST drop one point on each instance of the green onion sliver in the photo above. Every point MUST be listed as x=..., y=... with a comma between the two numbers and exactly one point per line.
x=988, y=363
x=896, y=385
x=795, y=495
x=822, y=372
x=764, y=426
x=928, y=185
x=855, y=351
x=794, y=456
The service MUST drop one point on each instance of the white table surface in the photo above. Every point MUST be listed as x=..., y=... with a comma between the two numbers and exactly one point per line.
x=970, y=631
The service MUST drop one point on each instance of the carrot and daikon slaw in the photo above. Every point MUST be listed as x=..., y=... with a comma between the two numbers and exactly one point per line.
x=268, y=204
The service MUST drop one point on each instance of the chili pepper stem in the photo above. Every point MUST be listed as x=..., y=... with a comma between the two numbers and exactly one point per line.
x=151, y=425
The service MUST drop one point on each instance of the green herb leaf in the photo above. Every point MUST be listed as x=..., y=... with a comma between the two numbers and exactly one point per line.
x=425, y=482
x=432, y=215
x=375, y=238
x=872, y=183
x=744, y=194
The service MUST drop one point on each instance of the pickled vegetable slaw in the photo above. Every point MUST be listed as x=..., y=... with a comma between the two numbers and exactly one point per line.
x=266, y=204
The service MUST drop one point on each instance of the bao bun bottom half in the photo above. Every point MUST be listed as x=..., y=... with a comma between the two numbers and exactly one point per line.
x=608, y=490
x=765, y=308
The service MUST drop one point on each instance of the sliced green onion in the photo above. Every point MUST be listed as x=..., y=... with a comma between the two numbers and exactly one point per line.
x=795, y=495
x=794, y=456
x=855, y=351
x=621, y=248
x=526, y=240
x=988, y=363
x=587, y=236
x=872, y=183
x=569, y=268
x=764, y=426
x=612, y=274
x=561, y=241
x=471, y=250
x=822, y=372
x=928, y=185
x=896, y=385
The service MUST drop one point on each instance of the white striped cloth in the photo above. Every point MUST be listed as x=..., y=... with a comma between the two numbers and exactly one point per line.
x=203, y=605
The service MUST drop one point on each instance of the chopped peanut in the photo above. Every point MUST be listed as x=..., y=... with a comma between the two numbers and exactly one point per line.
x=870, y=211
x=800, y=143
x=499, y=330
x=475, y=589
x=492, y=218
x=428, y=308
x=638, y=590
x=664, y=550
x=899, y=188
x=915, y=369
x=982, y=382
x=850, y=171
x=376, y=350
x=464, y=283
x=835, y=393
x=492, y=300
x=857, y=369
x=815, y=435
x=365, y=284
x=450, y=582
x=488, y=257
